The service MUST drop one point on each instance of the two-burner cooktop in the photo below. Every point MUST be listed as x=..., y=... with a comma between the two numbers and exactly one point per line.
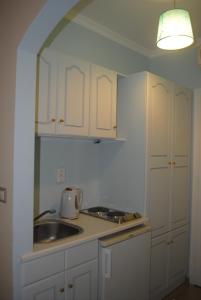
x=111, y=214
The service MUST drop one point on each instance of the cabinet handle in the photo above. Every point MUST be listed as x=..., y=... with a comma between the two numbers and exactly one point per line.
x=115, y=126
x=53, y=120
x=174, y=162
x=169, y=162
x=61, y=120
x=70, y=286
x=61, y=290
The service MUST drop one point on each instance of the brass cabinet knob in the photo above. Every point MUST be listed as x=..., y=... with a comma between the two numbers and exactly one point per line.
x=53, y=120
x=61, y=120
x=174, y=162
x=115, y=126
x=169, y=162
x=70, y=286
x=61, y=290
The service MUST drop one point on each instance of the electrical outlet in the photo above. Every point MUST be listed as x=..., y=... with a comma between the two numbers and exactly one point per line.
x=61, y=174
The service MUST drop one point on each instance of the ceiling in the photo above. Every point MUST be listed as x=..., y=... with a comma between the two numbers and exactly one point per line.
x=134, y=22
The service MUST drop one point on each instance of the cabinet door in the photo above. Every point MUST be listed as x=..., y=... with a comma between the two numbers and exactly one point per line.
x=160, y=98
x=103, y=102
x=159, y=267
x=180, y=157
x=73, y=97
x=51, y=288
x=178, y=257
x=159, y=197
x=82, y=282
x=46, y=93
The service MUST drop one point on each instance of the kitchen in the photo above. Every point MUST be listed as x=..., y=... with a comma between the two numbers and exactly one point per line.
x=91, y=145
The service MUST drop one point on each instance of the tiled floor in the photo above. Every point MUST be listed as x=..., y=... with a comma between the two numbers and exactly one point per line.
x=185, y=292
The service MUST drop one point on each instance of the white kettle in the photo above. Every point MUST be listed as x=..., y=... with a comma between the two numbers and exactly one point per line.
x=71, y=201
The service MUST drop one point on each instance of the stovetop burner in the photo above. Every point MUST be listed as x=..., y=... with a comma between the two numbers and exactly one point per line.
x=110, y=214
x=97, y=209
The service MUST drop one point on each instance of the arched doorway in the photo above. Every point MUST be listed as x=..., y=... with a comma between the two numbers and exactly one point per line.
x=23, y=172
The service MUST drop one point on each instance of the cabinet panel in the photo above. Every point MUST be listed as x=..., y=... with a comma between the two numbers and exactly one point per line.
x=159, y=266
x=46, y=94
x=82, y=282
x=80, y=254
x=159, y=199
x=160, y=100
x=182, y=119
x=42, y=267
x=103, y=102
x=73, y=99
x=178, y=259
x=51, y=288
x=179, y=196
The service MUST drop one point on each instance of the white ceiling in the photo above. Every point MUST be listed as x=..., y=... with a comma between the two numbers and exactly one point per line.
x=135, y=22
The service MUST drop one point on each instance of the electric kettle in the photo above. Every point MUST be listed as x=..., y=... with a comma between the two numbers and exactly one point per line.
x=71, y=200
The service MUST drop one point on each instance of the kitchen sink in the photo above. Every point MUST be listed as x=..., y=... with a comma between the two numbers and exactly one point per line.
x=52, y=230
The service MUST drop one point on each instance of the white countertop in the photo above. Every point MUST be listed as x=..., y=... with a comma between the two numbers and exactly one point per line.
x=93, y=228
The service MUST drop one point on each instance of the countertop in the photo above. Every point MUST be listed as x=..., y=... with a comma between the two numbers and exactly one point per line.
x=93, y=228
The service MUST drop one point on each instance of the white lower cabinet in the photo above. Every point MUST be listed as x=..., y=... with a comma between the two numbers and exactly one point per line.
x=51, y=288
x=178, y=257
x=159, y=265
x=65, y=275
x=169, y=260
x=82, y=282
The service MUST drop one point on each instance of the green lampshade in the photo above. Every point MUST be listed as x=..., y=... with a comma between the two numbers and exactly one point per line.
x=174, y=30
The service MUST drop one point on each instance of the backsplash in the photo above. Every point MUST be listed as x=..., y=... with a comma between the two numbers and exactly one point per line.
x=79, y=158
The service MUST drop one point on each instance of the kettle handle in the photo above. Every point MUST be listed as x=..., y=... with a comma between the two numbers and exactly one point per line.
x=81, y=198
x=78, y=203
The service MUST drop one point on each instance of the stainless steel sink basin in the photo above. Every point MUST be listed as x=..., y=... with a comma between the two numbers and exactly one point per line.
x=53, y=230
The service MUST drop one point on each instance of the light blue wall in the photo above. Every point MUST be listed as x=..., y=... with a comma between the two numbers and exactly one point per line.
x=81, y=159
x=180, y=66
x=78, y=41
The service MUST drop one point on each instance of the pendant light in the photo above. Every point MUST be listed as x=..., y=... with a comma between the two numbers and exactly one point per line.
x=174, y=29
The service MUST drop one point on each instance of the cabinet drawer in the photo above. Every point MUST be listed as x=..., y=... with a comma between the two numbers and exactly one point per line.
x=81, y=254
x=40, y=268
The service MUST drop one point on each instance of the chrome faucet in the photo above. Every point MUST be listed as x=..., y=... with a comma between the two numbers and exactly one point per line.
x=50, y=211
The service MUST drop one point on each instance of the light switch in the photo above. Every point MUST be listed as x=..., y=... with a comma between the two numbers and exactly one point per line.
x=3, y=194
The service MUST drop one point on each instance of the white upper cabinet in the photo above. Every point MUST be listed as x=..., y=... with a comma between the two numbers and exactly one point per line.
x=46, y=94
x=75, y=97
x=103, y=102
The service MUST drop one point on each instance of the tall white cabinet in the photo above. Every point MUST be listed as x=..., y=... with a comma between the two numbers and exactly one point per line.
x=163, y=112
